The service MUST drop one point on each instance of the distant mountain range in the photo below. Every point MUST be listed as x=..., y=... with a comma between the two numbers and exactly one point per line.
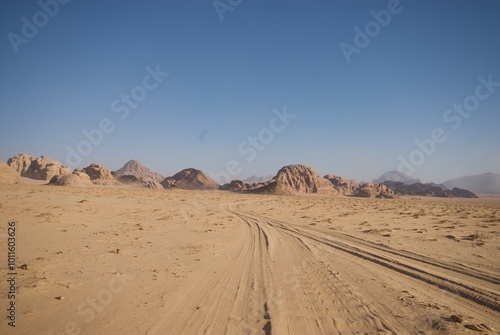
x=428, y=190
x=487, y=183
x=255, y=180
x=397, y=176
x=289, y=179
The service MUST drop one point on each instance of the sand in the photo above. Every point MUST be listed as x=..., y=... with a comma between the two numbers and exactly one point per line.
x=103, y=260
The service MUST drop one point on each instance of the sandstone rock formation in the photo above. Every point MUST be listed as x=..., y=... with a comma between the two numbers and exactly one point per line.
x=8, y=175
x=342, y=185
x=168, y=182
x=135, y=168
x=139, y=182
x=240, y=186
x=152, y=183
x=234, y=186
x=21, y=163
x=77, y=178
x=297, y=179
x=42, y=168
x=99, y=175
x=190, y=179
x=374, y=190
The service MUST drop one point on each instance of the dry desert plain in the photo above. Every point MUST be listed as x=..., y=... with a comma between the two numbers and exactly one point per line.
x=103, y=260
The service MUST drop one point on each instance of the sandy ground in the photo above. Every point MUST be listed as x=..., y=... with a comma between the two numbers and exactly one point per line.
x=137, y=261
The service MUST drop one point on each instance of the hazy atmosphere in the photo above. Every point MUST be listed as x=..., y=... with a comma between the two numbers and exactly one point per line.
x=359, y=102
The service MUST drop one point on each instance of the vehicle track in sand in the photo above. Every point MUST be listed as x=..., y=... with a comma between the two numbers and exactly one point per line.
x=288, y=279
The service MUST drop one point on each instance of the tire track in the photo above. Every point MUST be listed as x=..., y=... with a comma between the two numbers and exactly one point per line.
x=282, y=279
x=477, y=295
x=232, y=300
x=408, y=264
x=314, y=299
x=458, y=269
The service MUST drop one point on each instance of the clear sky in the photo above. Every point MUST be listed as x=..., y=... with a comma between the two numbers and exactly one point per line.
x=356, y=119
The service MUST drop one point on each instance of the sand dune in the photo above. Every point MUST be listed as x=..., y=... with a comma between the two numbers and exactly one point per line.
x=138, y=261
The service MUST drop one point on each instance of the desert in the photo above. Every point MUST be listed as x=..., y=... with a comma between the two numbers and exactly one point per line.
x=112, y=258
x=249, y=167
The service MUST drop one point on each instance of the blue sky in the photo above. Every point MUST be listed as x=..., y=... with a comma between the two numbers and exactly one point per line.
x=226, y=76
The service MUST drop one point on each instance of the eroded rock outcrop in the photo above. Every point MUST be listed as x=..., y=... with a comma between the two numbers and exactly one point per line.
x=42, y=168
x=77, y=178
x=8, y=175
x=190, y=179
x=297, y=179
x=342, y=185
x=374, y=190
x=99, y=175
x=152, y=183
x=234, y=186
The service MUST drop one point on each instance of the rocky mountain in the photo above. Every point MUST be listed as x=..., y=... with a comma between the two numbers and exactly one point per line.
x=136, y=169
x=296, y=179
x=190, y=179
x=99, y=175
x=342, y=185
x=396, y=176
x=487, y=183
x=8, y=175
x=428, y=190
x=374, y=190
x=42, y=168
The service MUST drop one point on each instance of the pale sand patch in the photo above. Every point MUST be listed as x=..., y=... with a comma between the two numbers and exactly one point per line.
x=140, y=261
